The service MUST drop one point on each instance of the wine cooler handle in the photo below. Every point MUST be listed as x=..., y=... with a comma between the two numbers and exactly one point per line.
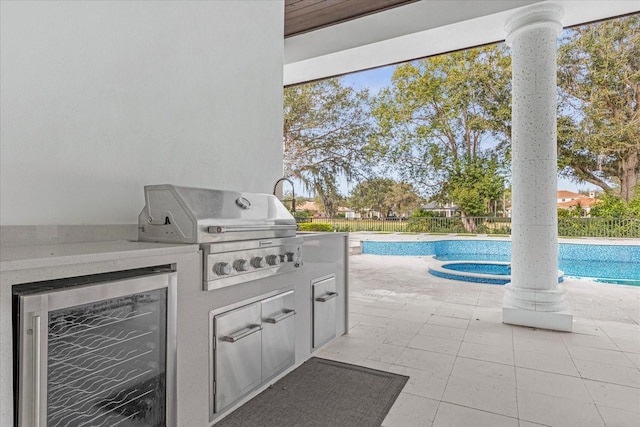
x=37, y=353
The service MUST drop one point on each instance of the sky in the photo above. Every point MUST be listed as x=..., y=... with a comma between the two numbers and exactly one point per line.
x=379, y=78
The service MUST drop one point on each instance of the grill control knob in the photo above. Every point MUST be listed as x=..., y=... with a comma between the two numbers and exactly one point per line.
x=290, y=256
x=257, y=262
x=273, y=259
x=241, y=265
x=222, y=268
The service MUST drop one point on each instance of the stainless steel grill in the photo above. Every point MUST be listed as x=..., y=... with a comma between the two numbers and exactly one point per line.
x=243, y=236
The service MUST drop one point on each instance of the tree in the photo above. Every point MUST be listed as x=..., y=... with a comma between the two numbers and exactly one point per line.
x=384, y=195
x=445, y=123
x=328, y=201
x=326, y=133
x=611, y=205
x=371, y=195
x=476, y=186
x=403, y=198
x=599, y=123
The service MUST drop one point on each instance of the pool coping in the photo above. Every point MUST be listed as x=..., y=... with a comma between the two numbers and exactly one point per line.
x=358, y=236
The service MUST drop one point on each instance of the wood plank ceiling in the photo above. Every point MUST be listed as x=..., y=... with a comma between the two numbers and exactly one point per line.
x=301, y=16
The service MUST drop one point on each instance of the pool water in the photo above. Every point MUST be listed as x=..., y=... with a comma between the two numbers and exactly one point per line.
x=616, y=264
x=472, y=267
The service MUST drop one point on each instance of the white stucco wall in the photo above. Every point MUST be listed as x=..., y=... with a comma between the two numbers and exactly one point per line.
x=99, y=98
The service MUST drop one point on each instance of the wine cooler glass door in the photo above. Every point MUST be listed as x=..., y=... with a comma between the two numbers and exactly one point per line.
x=96, y=355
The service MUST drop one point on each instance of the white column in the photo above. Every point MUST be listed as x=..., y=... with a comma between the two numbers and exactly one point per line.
x=533, y=298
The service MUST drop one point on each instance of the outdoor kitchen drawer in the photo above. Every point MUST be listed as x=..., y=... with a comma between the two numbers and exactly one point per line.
x=238, y=341
x=278, y=334
x=324, y=309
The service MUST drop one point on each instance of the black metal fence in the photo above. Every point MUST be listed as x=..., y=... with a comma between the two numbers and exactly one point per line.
x=567, y=227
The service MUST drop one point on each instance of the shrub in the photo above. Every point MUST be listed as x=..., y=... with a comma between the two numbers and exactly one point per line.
x=435, y=225
x=316, y=226
x=420, y=213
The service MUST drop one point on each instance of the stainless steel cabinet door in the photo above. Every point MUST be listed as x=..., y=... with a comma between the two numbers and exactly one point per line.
x=278, y=334
x=238, y=367
x=324, y=310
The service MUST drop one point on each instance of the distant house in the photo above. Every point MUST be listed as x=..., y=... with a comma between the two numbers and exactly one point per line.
x=313, y=208
x=448, y=209
x=348, y=213
x=570, y=200
x=307, y=206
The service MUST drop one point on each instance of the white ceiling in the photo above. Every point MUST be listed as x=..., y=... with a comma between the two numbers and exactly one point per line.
x=417, y=30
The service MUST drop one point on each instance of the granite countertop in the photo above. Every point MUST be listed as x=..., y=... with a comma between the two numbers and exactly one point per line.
x=23, y=257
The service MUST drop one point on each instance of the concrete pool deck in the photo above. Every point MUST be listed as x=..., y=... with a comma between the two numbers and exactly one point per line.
x=467, y=368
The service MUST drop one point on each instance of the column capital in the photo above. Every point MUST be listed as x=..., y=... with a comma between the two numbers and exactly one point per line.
x=539, y=15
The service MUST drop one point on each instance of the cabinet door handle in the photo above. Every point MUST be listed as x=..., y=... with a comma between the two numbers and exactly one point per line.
x=280, y=318
x=242, y=333
x=328, y=296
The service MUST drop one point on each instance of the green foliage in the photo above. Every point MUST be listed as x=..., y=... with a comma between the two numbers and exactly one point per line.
x=384, y=195
x=437, y=118
x=599, y=227
x=435, y=225
x=610, y=217
x=326, y=134
x=304, y=214
x=599, y=123
x=419, y=213
x=613, y=206
x=403, y=198
x=474, y=183
x=634, y=204
x=491, y=226
x=316, y=226
x=573, y=212
x=371, y=194
x=610, y=206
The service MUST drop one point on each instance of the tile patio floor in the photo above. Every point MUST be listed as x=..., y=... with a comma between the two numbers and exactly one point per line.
x=467, y=368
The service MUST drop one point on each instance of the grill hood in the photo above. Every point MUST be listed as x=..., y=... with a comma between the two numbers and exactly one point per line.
x=175, y=214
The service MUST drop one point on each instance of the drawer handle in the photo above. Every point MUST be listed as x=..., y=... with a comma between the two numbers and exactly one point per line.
x=327, y=297
x=280, y=318
x=242, y=333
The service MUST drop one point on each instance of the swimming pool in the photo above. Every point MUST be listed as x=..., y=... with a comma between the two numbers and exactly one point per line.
x=618, y=264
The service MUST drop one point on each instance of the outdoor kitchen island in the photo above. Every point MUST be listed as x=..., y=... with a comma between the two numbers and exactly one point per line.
x=324, y=262
x=104, y=311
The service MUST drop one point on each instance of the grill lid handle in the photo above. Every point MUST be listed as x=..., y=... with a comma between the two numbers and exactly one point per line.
x=218, y=229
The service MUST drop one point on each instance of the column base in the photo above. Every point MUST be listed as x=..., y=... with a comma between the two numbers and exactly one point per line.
x=550, y=299
x=557, y=321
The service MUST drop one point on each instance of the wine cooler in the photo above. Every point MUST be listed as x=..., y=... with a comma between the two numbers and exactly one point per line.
x=96, y=350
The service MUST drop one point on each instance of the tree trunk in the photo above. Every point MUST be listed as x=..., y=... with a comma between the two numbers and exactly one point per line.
x=628, y=175
x=468, y=223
